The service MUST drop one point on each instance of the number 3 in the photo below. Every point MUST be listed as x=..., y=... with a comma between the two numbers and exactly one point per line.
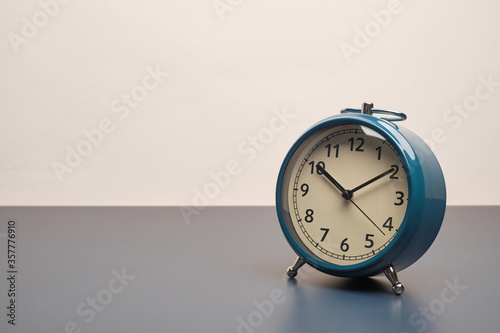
x=400, y=196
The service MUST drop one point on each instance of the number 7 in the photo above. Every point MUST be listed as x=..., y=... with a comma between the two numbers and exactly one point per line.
x=324, y=235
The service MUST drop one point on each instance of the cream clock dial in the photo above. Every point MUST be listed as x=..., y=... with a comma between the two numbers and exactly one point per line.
x=347, y=194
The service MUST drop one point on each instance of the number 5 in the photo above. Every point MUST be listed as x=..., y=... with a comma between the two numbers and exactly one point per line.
x=369, y=240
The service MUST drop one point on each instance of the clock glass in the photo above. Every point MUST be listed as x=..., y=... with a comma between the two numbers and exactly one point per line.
x=344, y=194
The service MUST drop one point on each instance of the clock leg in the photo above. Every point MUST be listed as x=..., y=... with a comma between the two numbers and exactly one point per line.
x=397, y=287
x=292, y=270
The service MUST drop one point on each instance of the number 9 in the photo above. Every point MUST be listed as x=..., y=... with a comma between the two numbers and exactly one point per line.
x=305, y=189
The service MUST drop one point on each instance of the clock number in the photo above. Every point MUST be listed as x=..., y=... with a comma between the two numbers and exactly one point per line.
x=320, y=163
x=388, y=224
x=304, y=188
x=324, y=235
x=369, y=240
x=344, y=246
x=400, y=197
x=396, y=169
x=379, y=149
x=329, y=147
x=309, y=215
x=361, y=143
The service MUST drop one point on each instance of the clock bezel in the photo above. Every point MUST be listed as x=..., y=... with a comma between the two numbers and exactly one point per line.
x=398, y=252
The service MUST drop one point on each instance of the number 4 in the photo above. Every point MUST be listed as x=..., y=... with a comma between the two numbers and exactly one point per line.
x=388, y=224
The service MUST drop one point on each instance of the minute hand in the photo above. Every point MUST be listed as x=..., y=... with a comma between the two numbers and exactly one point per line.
x=372, y=180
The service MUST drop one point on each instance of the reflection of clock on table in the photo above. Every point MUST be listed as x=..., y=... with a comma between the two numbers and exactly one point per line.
x=358, y=195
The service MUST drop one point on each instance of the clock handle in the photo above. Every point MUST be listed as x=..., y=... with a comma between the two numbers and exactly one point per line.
x=367, y=108
x=397, y=287
x=292, y=270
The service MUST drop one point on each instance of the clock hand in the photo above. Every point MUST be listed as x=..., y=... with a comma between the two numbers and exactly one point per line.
x=348, y=194
x=367, y=217
x=345, y=194
x=372, y=180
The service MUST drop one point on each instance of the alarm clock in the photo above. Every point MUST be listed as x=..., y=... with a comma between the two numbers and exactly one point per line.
x=358, y=195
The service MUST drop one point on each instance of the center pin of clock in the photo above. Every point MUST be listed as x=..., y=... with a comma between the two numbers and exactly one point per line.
x=347, y=195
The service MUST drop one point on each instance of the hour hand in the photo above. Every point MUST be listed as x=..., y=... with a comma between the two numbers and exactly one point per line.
x=345, y=194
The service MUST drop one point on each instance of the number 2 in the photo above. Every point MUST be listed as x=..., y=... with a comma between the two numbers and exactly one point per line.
x=396, y=169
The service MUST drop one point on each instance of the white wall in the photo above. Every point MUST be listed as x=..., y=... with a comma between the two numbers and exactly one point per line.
x=231, y=66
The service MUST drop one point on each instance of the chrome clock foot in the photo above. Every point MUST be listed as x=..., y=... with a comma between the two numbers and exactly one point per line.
x=292, y=270
x=397, y=287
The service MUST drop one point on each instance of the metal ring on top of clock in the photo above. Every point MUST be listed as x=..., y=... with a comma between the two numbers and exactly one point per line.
x=398, y=116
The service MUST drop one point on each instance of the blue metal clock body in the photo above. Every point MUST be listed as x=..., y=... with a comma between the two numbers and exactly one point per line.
x=424, y=211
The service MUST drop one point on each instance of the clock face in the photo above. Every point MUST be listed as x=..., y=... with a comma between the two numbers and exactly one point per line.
x=344, y=194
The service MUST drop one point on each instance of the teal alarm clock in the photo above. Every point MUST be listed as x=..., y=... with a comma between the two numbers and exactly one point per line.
x=358, y=195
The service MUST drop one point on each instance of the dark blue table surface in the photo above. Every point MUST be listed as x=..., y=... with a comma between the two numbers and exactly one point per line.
x=146, y=269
